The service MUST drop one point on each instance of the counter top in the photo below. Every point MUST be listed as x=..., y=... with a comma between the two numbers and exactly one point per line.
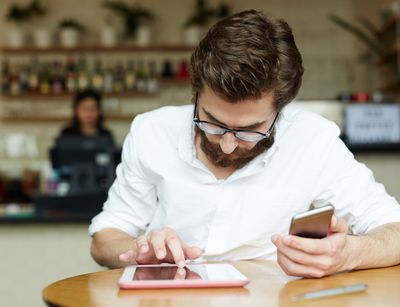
x=40, y=218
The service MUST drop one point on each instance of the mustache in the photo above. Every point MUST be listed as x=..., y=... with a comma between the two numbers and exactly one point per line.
x=238, y=158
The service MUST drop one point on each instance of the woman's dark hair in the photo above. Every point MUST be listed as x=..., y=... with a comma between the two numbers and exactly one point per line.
x=79, y=97
x=245, y=55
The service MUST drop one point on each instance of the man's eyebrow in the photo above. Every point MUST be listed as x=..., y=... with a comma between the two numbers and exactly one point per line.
x=249, y=127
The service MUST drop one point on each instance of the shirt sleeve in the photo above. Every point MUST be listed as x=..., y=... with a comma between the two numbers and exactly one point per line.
x=132, y=197
x=351, y=188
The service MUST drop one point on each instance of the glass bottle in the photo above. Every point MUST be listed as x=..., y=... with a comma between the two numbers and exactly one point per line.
x=98, y=76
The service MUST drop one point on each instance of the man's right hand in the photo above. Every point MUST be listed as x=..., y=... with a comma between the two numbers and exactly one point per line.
x=162, y=245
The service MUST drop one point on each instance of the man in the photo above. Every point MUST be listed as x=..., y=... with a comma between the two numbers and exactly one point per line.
x=220, y=180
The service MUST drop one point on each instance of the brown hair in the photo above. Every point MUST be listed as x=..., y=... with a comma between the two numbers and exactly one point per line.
x=245, y=55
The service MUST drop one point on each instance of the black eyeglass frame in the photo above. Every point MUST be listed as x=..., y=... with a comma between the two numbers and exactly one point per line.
x=263, y=136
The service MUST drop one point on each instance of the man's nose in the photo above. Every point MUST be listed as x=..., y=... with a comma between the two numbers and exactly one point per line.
x=228, y=143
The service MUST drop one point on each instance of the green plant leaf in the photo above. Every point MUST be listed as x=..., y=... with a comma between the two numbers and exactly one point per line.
x=371, y=43
x=71, y=23
x=373, y=30
x=132, y=15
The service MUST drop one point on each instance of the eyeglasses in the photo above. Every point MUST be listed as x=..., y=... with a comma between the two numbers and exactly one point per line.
x=242, y=134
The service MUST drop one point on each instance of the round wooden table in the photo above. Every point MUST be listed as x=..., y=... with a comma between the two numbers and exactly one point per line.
x=269, y=286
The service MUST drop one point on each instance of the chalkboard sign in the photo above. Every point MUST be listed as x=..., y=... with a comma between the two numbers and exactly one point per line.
x=372, y=124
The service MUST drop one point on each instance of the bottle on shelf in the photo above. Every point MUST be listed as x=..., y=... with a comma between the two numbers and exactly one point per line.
x=167, y=71
x=130, y=77
x=58, y=80
x=152, y=84
x=118, y=86
x=33, y=78
x=23, y=79
x=183, y=72
x=15, y=88
x=71, y=73
x=108, y=80
x=45, y=80
x=83, y=75
x=142, y=77
x=5, y=77
x=98, y=76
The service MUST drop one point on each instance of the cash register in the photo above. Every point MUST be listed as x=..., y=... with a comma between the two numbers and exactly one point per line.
x=86, y=167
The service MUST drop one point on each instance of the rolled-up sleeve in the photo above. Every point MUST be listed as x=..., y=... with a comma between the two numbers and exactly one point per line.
x=351, y=187
x=132, y=197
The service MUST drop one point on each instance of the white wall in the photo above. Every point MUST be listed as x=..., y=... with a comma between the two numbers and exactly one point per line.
x=36, y=255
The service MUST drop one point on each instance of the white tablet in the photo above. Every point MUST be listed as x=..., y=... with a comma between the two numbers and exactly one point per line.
x=192, y=276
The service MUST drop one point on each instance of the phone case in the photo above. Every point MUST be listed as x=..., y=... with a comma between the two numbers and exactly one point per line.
x=313, y=223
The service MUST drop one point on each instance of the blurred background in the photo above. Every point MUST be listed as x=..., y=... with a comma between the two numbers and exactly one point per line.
x=134, y=56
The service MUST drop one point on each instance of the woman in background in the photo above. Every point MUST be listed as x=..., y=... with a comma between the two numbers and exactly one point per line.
x=87, y=118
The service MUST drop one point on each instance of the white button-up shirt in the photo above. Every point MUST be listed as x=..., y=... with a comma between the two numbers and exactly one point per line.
x=161, y=183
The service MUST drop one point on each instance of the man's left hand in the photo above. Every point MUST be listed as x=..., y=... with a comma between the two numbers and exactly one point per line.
x=314, y=258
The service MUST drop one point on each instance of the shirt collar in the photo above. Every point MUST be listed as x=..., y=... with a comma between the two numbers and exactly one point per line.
x=186, y=148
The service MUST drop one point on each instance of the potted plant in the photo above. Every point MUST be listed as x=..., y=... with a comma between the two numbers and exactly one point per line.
x=16, y=34
x=203, y=14
x=41, y=34
x=368, y=34
x=20, y=15
x=136, y=20
x=108, y=33
x=195, y=25
x=70, y=31
x=223, y=10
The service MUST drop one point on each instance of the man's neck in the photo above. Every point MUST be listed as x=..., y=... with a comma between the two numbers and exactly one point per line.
x=219, y=172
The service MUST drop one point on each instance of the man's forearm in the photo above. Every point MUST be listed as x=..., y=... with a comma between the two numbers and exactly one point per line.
x=108, y=244
x=378, y=248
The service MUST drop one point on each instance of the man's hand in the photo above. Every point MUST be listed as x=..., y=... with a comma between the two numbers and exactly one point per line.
x=163, y=245
x=305, y=257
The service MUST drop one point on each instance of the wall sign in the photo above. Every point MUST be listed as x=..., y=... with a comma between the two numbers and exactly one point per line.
x=372, y=124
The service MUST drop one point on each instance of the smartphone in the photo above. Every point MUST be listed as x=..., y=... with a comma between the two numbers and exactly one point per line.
x=312, y=223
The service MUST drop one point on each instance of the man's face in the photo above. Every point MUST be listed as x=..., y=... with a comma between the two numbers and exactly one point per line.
x=227, y=150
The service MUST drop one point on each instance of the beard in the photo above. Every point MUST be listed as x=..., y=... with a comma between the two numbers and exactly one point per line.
x=238, y=158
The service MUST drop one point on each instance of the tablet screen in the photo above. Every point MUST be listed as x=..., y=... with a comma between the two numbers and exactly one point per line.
x=171, y=276
x=166, y=273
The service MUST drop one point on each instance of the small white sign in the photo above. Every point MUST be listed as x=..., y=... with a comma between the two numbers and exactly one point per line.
x=372, y=124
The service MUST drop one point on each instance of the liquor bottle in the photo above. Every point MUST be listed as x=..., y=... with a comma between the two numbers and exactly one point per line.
x=130, y=77
x=5, y=77
x=98, y=76
x=58, y=82
x=118, y=78
x=167, y=71
x=142, y=77
x=183, y=72
x=23, y=79
x=83, y=75
x=71, y=82
x=45, y=80
x=152, y=83
x=15, y=88
x=108, y=80
x=33, y=78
